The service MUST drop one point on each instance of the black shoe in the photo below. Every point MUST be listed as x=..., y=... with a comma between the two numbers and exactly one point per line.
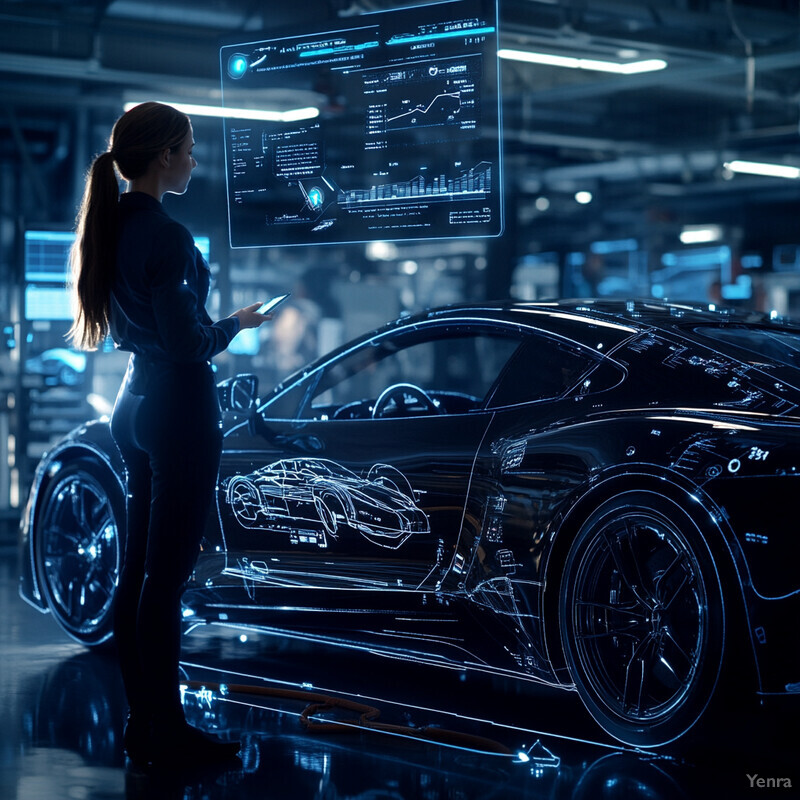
x=189, y=747
x=136, y=740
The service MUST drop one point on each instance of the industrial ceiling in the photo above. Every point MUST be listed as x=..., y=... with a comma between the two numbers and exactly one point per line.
x=650, y=147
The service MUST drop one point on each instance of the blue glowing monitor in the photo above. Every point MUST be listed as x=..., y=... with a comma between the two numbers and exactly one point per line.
x=395, y=132
x=47, y=274
x=203, y=244
x=47, y=255
x=47, y=279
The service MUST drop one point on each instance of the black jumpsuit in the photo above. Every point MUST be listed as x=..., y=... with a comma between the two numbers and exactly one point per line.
x=166, y=423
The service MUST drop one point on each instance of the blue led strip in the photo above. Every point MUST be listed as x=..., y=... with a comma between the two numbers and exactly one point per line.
x=49, y=236
x=447, y=35
x=346, y=48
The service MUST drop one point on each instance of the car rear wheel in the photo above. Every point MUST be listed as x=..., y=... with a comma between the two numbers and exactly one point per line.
x=331, y=512
x=79, y=549
x=391, y=477
x=642, y=618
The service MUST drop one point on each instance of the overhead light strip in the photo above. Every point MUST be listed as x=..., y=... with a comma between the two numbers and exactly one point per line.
x=700, y=234
x=268, y=115
x=628, y=68
x=763, y=168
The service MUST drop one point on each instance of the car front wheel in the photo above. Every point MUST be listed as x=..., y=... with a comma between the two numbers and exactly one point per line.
x=642, y=618
x=78, y=549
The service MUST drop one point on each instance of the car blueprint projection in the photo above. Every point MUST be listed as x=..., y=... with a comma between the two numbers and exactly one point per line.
x=312, y=498
x=407, y=144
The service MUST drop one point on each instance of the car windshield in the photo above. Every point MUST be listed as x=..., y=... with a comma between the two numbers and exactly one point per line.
x=763, y=346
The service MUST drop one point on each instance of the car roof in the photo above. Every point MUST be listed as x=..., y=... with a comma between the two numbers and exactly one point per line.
x=73, y=358
x=581, y=320
x=635, y=313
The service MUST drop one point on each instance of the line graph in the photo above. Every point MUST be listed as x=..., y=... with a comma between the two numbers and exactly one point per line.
x=422, y=97
x=445, y=112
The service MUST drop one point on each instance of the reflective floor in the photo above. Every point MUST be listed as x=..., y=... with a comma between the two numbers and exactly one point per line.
x=327, y=724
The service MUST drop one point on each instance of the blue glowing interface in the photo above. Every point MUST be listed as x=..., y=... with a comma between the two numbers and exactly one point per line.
x=47, y=277
x=407, y=142
x=47, y=255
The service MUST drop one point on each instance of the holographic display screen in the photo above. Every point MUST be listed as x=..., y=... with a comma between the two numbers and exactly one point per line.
x=407, y=142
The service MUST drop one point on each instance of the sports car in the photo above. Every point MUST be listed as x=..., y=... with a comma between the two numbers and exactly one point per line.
x=58, y=366
x=592, y=495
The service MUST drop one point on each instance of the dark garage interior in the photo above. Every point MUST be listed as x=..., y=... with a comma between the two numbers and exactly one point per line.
x=646, y=190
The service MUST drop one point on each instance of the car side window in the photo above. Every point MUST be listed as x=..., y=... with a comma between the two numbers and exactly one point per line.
x=285, y=404
x=544, y=368
x=436, y=370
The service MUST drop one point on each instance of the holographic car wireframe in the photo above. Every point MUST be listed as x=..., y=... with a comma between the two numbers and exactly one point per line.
x=601, y=485
x=316, y=497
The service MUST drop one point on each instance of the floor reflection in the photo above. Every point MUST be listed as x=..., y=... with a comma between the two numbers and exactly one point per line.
x=73, y=749
x=71, y=741
x=62, y=712
x=80, y=707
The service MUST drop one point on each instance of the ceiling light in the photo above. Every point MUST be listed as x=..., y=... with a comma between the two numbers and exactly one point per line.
x=381, y=251
x=628, y=68
x=268, y=115
x=583, y=197
x=760, y=168
x=700, y=234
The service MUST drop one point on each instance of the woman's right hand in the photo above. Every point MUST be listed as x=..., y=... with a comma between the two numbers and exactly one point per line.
x=249, y=316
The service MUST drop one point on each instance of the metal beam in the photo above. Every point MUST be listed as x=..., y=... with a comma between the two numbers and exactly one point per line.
x=28, y=165
x=91, y=71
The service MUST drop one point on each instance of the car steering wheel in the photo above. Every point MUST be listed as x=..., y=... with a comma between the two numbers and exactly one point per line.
x=399, y=394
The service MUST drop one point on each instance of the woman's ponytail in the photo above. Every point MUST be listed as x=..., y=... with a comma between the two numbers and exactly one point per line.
x=93, y=255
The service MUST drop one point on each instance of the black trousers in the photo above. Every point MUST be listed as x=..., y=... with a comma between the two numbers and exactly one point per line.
x=166, y=423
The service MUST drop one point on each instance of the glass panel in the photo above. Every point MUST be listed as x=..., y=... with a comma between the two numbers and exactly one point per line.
x=760, y=344
x=455, y=370
x=544, y=368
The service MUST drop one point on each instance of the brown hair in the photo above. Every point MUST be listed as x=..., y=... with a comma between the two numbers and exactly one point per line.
x=138, y=136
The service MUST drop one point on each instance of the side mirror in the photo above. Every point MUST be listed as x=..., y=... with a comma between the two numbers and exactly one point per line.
x=238, y=393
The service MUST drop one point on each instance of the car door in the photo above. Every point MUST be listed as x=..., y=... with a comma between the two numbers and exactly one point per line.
x=536, y=452
x=362, y=479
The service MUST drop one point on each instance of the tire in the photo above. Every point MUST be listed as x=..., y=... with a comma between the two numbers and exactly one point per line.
x=68, y=377
x=78, y=549
x=642, y=618
x=244, y=500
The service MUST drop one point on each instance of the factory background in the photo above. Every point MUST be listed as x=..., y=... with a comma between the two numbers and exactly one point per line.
x=650, y=151
x=615, y=184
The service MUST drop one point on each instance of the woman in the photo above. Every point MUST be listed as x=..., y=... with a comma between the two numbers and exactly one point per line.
x=139, y=277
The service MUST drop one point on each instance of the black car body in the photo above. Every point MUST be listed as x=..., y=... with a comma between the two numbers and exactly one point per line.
x=589, y=496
